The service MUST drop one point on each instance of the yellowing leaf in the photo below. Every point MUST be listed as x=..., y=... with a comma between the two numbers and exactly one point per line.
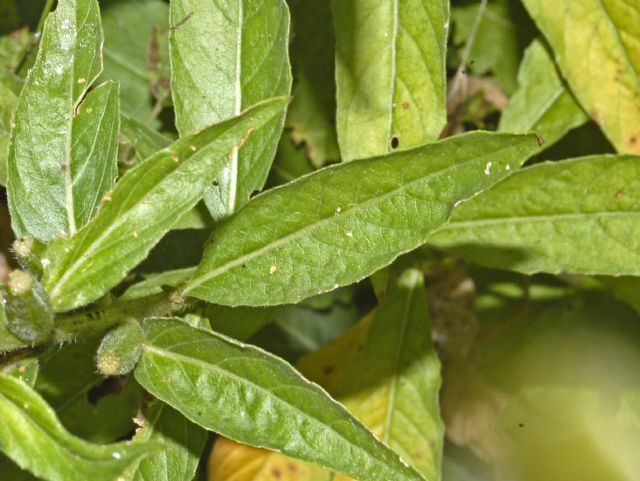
x=597, y=46
x=238, y=462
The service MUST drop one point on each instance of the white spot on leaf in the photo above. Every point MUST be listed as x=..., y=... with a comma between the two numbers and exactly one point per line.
x=487, y=169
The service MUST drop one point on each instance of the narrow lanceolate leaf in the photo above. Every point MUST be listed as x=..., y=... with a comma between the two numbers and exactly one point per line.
x=134, y=216
x=542, y=101
x=336, y=234
x=390, y=70
x=182, y=441
x=578, y=216
x=31, y=435
x=392, y=384
x=226, y=57
x=586, y=33
x=252, y=397
x=61, y=163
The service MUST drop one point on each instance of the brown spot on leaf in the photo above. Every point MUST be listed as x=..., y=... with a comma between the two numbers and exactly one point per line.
x=406, y=105
x=292, y=468
x=276, y=473
x=620, y=194
x=633, y=140
x=328, y=369
x=540, y=140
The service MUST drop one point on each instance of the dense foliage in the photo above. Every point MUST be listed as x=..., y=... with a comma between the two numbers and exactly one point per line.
x=296, y=240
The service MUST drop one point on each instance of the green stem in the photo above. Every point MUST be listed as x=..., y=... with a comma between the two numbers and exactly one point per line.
x=75, y=326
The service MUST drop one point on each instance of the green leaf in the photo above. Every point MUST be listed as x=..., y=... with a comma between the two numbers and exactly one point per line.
x=578, y=216
x=182, y=440
x=68, y=380
x=340, y=234
x=610, y=93
x=154, y=283
x=134, y=216
x=239, y=322
x=144, y=139
x=501, y=35
x=390, y=71
x=33, y=438
x=542, y=102
x=311, y=116
x=60, y=161
x=392, y=383
x=265, y=402
x=129, y=27
x=226, y=57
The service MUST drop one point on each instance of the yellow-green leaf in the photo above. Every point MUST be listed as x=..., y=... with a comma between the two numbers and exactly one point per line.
x=390, y=71
x=597, y=46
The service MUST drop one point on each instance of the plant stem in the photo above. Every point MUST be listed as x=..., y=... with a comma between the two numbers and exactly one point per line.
x=80, y=325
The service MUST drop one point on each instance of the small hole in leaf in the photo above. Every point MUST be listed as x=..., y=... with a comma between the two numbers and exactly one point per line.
x=215, y=183
x=395, y=142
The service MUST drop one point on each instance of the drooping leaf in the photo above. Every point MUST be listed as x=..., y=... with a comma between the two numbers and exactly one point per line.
x=57, y=171
x=542, y=101
x=225, y=58
x=182, y=443
x=265, y=402
x=585, y=33
x=259, y=257
x=230, y=460
x=32, y=437
x=66, y=380
x=390, y=71
x=134, y=216
x=129, y=27
x=578, y=216
x=311, y=116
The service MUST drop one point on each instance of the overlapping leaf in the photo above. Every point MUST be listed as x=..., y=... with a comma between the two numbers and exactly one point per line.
x=250, y=396
x=312, y=114
x=182, y=443
x=134, y=216
x=392, y=384
x=61, y=163
x=390, y=71
x=135, y=34
x=234, y=461
x=542, y=102
x=32, y=437
x=260, y=257
x=226, y=57
x=578, y=216
x=597, y=46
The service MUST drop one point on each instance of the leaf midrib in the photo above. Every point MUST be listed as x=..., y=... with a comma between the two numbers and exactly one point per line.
x=197, y=281
x=539, y=218
x=393, y=382
x=204, y=365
